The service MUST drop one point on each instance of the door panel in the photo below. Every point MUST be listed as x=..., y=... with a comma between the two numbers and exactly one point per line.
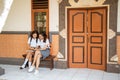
x=87, y=37
x=97, y=38
x=77, y=38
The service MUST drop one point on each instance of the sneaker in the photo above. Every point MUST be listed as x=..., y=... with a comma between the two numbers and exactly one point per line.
x=31, y=68
x=36, y=72
x=22, y=67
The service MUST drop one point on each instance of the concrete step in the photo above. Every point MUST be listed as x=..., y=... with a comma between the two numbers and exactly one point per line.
x=2, y=71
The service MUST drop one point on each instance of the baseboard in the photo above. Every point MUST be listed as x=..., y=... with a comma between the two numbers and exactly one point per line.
x=114, y=68
x=19, y=61
x=11, y=61
x=60, y=64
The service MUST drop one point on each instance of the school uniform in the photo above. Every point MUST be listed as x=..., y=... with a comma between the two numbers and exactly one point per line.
x=32, y=42
x=45, y=53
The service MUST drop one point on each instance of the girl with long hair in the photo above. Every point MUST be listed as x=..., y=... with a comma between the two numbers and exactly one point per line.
x=33, y=45
x=41, y=53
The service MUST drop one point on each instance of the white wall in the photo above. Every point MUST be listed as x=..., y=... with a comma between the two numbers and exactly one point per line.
x=19, y=18
x=118, y=18
x=1, y=6
x=53, y=15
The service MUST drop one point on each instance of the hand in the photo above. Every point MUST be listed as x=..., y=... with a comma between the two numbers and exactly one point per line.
x=31, y=48
x=36, y=49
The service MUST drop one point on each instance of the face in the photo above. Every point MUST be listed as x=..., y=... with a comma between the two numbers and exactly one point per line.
x=41, y=37
x=34, y=35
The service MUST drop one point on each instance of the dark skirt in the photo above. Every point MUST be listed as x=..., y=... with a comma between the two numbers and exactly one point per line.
x=45, y=53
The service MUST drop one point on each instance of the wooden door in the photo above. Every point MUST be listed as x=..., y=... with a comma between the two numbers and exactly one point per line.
x=87, y=36
x=97, y=35
x=77, y=39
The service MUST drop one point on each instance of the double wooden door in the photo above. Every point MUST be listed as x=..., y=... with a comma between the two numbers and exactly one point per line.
x=87, y=38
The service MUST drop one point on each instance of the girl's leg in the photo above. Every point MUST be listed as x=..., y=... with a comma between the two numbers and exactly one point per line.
x=30, y=57
x=37, y=64
x=30, y=60
x=26, y=60
x=35, y=57
x=38, y=61
x=34, y=61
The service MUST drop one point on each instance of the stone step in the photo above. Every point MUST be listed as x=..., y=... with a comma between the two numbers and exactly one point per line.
x=2, y=71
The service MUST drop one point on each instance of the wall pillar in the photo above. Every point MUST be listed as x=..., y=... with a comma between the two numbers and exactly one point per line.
x=118, y=19
x=118, y=32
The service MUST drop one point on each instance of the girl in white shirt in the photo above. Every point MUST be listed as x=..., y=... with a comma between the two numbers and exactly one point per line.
x=33, y=45
x=41, y=53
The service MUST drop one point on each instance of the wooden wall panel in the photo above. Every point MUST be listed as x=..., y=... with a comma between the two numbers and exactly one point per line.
x=118, y=48
x=55, y=44
x=13, y=45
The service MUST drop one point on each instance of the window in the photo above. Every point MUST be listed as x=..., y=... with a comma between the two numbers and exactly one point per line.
x=40, y=16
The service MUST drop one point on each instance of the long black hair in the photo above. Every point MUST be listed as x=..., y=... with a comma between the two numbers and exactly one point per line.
x=31, y=35
x=44, y=36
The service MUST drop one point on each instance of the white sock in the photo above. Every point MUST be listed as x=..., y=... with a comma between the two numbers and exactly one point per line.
x=29, y=63
x=26, y=60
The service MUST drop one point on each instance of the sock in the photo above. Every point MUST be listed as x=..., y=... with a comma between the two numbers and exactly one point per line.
x=29, y=63
x=26, y=60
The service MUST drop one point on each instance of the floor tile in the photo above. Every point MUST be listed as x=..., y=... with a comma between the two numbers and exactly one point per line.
x=67, y=74
x=96, y=75
x=110, y=76
x=82, y=74
x=12, y=72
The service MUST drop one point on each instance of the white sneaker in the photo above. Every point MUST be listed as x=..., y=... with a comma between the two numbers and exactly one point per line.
x=22, y=67
x=36, y=72
x=31, y=68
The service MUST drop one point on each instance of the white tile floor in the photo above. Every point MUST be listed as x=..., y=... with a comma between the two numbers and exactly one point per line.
x=13, y=73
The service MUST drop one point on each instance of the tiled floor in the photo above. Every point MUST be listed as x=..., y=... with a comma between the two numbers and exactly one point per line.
x=13, y=73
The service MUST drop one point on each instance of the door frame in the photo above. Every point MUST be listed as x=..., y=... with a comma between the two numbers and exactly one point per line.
x=47, y=20
x=67, y=30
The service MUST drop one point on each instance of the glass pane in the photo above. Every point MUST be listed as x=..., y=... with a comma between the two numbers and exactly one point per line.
x=40, y=21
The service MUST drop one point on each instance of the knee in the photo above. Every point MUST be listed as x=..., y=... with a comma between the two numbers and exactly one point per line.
x=37, y=52
x=39, y=56
x=28, y=54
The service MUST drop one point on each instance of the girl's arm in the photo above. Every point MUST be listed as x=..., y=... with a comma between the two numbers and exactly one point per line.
x=30, y=47
x=47, y=45
x=29, y=44
x=37, y=48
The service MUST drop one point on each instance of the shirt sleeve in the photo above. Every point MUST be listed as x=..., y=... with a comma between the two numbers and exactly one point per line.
x=29, y=41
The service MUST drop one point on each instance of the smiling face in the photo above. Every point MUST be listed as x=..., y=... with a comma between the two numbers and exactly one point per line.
x=34, y=35
x=41, y=37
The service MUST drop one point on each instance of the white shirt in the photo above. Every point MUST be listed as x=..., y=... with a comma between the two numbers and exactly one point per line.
x=32, y=43
x=44, y=44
